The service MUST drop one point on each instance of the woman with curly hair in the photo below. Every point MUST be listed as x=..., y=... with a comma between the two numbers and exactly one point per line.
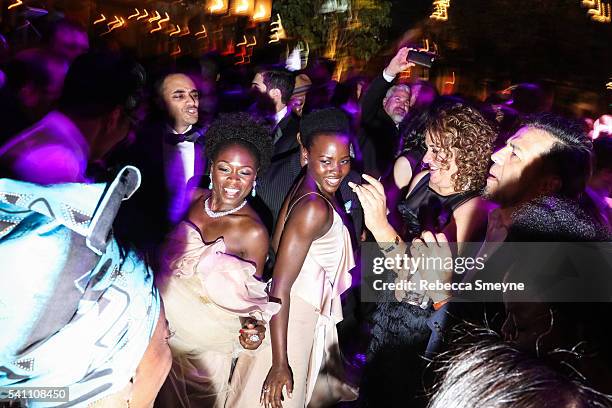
x=444, y=198
x=215, y=304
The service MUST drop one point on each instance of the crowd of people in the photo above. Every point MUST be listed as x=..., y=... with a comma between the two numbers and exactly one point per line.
x=187, y=234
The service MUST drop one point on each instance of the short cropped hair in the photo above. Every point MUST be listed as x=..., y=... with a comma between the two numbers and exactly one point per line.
x=329, y=120
x=570, y=156
x=242, y=129
x=494, y=374
x=279, y=79
x=400, y=87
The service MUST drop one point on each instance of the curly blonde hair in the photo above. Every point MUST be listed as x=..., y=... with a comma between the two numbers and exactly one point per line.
x=462, y=131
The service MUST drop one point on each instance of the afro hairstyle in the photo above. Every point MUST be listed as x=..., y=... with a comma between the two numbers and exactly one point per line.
x=329, y=120
x=242, y=129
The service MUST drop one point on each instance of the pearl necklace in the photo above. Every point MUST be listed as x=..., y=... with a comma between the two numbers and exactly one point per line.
x=217, y=214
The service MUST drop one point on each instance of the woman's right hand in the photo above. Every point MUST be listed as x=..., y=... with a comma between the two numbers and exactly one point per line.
x=278, y=377
x=374, y=204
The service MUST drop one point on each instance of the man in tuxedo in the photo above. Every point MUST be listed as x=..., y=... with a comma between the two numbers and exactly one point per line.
x=383, y=107
x=276, y=87
x=169, y=152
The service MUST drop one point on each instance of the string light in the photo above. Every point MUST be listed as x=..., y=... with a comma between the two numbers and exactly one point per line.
x=101, y=19
x=116, y=23
x=598, y=10
x=145, y=15
x=202, y=33
x=15, y=4
x=244, y=41
x=177, y=51
x=185, y=31
x=134, y=15
x=155, y=17
x=160, y=22
x=176, y=31
x=277, y=30
x=440, y=10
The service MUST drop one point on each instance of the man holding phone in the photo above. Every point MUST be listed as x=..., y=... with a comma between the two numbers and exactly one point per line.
x=383, y=107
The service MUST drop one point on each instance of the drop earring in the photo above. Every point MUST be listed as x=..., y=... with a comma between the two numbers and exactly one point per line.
x=253, y=193
x=210, y=186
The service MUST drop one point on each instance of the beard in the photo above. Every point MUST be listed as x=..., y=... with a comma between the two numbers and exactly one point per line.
x=397, y=118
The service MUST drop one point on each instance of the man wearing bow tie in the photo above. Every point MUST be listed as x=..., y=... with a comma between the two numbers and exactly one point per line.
x=182, y=157
x=169, y=153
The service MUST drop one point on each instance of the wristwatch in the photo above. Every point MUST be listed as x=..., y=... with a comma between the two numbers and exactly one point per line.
x=416, y=299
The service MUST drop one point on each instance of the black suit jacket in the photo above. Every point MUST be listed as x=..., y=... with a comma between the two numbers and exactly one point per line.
x=274, y=184
x=143, y=219
x=378, y=131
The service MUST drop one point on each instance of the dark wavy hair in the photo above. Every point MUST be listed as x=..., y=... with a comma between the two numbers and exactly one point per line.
x=456, y=125
x=242, y=129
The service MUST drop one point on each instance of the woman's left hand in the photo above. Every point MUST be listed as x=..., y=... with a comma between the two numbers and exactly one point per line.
x=252, y=334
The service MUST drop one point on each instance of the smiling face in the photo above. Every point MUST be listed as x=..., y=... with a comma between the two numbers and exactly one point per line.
x=329, y=160
x=181, y=100
x=397, y=104
x=441, y=166
x=515, y=175
x=233, y=173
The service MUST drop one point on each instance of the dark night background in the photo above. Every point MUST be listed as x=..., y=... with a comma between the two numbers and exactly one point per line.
x=525, y=39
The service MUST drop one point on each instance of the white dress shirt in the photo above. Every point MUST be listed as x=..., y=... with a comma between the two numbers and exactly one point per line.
x=179, y=168
x=278, y=116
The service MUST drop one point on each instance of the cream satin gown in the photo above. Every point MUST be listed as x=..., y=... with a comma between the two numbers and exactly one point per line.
x=205, y=293
x=312, y=338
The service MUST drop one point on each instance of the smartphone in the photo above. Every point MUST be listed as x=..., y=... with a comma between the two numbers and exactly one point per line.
x=422, y=58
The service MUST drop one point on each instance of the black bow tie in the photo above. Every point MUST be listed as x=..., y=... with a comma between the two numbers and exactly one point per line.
x=191, y=136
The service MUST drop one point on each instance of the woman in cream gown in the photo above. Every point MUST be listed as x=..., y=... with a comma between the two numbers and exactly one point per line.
x=314, y=255
x=215, y=304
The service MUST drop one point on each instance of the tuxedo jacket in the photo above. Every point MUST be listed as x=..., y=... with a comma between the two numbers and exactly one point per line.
x=144, y=218
x=274, y=184
x=378, y=135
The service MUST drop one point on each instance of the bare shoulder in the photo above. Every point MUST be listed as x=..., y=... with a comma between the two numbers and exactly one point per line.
x=415, y=180
x=471, y=219
x=473, y=205
x=311, y=214
x=252, y=227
